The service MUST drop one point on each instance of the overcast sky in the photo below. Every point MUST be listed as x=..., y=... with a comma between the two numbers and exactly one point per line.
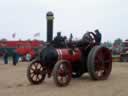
x=27, y=17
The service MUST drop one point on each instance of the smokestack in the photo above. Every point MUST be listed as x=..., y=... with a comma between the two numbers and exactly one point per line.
x=50, y=18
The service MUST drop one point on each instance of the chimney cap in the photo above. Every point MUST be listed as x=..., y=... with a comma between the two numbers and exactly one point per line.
x=50, y=13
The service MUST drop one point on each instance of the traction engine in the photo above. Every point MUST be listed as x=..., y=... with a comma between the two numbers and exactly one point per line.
x=72, y=61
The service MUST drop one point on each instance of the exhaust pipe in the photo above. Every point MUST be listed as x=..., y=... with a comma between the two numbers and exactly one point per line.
x=50, y=18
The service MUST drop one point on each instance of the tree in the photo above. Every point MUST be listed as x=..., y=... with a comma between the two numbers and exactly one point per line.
x=117, y=46
x=118, y=42
x=107, y=44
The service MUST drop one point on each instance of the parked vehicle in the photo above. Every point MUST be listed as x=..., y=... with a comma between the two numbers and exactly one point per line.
x=124, y=52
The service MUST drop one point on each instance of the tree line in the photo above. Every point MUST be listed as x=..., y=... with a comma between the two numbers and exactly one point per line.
x=116, y=46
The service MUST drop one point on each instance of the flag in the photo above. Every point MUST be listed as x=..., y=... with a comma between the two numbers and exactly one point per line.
x=13, y=35
x=36, y=34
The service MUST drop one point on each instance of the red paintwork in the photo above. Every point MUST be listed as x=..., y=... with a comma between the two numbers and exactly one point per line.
x=24, y=51
x=65, y=54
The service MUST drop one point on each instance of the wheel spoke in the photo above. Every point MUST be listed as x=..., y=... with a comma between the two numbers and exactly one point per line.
x=32, y=75
x=32, y=70
x=36, y=65
x=61, y=79
x=38, y=77
x=41, y=69
x=39, y=66
x=33, y=67
x=100, y=73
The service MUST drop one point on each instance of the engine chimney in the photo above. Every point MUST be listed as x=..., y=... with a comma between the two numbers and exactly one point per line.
x=50, y=18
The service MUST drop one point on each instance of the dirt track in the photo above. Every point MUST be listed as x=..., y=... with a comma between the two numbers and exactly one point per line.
x=13, y=82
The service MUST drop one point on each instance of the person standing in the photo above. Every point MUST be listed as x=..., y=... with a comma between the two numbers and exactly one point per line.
x=59, y=40
x=17, y=57
x=14, y=58
x=28, y=57
x=5, y=56
x=98, y=36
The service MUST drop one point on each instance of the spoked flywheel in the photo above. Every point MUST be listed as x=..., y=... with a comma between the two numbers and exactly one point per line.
x=36, y=72
x=62, y=73
x=99, y=63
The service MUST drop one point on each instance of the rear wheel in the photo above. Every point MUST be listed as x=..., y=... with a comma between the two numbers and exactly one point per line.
x=99, y=63
x=36, y=72
x=62, y=73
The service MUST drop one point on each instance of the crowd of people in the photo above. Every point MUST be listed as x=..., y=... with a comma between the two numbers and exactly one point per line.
x=14, y=55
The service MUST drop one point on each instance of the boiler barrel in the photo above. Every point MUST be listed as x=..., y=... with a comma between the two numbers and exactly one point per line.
x=69, y=55
x=50, y=55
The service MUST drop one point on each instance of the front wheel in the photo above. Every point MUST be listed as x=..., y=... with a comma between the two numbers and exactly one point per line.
x=62, y=73
x=36, y=72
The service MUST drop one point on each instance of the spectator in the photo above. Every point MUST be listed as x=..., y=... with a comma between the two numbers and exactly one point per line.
x=5, y=56
x=28, y=57
x=59, y=41
x=98, y=36
x=14, y=58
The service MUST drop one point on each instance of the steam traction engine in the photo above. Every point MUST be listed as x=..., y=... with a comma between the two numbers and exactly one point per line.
x=77, y=58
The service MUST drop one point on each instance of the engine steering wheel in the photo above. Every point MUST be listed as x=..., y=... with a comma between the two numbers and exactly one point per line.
x=89, y=37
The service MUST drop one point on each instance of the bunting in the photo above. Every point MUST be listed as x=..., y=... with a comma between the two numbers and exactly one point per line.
x=13, y=35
